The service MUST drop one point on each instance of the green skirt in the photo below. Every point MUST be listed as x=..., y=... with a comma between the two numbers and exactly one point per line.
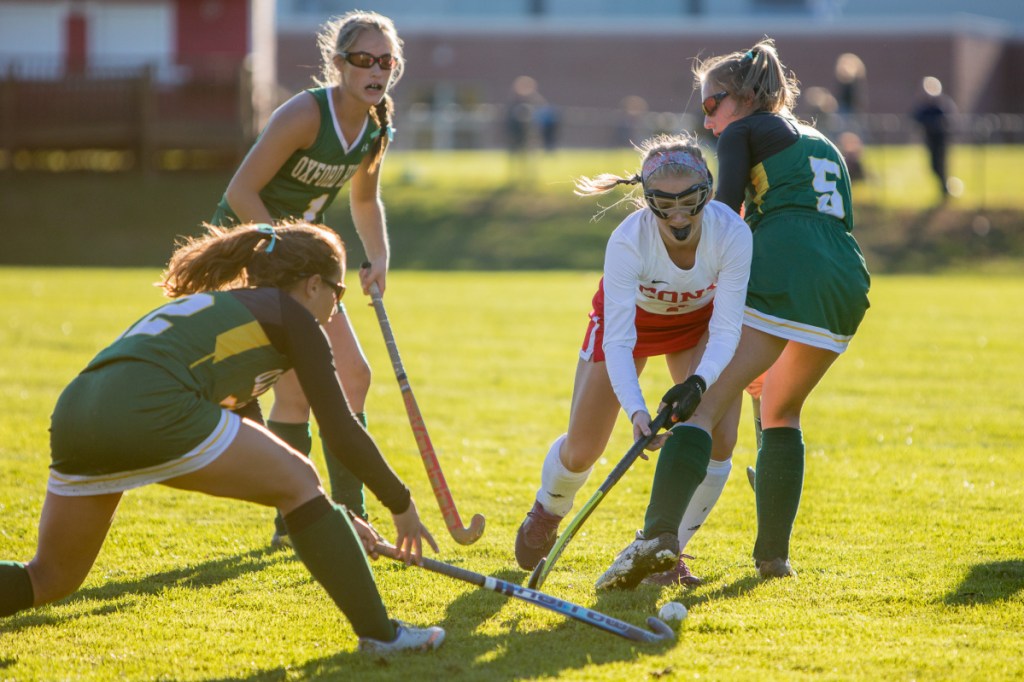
x=125, y=416
x=808, y=280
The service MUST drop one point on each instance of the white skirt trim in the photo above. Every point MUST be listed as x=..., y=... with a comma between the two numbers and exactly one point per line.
x=71, y=485
x=796, y=331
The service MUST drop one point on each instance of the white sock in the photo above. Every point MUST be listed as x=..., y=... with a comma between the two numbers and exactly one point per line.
x=703, y=500
x=558, y=485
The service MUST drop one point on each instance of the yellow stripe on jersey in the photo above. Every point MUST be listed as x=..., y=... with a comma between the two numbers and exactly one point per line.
x=759, y=179
x=238, y=340
x=200, y=361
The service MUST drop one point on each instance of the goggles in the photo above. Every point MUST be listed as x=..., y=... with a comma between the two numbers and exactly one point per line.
x=365, y=60
x=689, y=202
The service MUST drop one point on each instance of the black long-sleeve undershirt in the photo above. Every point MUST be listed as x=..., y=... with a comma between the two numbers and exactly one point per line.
x=744, y=144
x=296, y=334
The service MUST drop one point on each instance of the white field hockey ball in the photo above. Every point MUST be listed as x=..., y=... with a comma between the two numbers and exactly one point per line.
x=672, y=612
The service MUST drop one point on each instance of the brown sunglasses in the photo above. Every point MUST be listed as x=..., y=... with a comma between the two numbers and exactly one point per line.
x=710, y=104
x=365, y=60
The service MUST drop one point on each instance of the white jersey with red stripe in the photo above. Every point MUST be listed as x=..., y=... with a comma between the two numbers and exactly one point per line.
x=638, y=272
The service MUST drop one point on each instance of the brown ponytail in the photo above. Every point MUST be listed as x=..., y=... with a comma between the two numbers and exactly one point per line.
x=757, y=74
x=383, y=115
x=252, y=255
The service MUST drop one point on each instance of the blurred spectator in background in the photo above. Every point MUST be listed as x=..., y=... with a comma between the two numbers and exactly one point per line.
x=523, y=103
x=851, y=84
x=631, y=126
x=852, y=148
x=548, y=119
x=824, y=111
x=934, y=114
x=851, y=92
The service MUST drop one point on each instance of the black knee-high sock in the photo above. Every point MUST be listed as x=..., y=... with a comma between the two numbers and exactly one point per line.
x=16, y=593
x=298, y=436
x=682, y=465
x=346, y=489
x=326, y=542
x=780, y=479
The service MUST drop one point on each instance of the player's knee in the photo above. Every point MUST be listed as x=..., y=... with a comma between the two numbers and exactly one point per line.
x=578, y=459
x=786, y=413
x=357, y=380
x=722, y=445
x=298, y=482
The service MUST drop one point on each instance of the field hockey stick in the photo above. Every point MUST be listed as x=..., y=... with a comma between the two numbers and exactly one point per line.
x=541, y=571
x=599, y=620
x=461, y=534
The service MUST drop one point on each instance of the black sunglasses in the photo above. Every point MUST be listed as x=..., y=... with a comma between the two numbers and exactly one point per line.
x=337, y=287
x=710, y=104
x=365, y=60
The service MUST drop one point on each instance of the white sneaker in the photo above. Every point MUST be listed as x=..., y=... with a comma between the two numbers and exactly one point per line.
x=640, y=559
x=407, y=638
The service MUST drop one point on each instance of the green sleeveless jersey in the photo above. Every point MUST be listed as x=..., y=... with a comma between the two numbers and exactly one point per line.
x=809, y=174
x=210, y=342
x=310, y=179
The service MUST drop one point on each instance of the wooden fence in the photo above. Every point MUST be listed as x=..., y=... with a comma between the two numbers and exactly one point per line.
x=127, y=110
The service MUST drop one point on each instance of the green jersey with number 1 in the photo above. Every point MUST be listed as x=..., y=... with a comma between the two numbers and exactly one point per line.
x=310, y=179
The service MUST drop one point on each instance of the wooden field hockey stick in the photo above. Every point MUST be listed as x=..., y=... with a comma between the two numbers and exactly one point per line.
x=621, y=628
x=541, y=571
x=461, y=534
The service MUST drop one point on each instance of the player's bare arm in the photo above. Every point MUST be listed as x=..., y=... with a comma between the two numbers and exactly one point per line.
x=293, y=126
x=368, y=218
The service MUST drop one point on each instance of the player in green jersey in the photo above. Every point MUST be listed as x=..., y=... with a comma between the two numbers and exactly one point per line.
x=173, y=401
x=806, y=297
x=315, y=143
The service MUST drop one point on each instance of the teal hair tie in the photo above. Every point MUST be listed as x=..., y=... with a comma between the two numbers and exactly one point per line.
x=749, y=56
x=387, y=130
x=269, y=231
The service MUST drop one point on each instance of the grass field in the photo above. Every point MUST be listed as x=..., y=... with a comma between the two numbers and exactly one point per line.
x=909, y=542
x=468, y=211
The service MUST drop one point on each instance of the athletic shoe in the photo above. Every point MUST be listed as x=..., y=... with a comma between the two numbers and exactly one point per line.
x=407, y=638
x=752, y=478
x=280, y=541
x=775, y=568
x=640, y=559
x=536, y=536
x=675, y=577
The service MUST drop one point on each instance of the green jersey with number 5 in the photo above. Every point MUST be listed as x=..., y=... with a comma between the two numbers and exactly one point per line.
x=310, y=179
x=808, y=174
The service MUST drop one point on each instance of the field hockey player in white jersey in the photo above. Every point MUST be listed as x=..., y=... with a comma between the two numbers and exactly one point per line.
x=806, y=298
x=675, y=278
x=315, y=143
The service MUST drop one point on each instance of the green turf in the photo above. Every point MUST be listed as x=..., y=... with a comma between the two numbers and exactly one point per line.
x=908, y=543
x=472, y=211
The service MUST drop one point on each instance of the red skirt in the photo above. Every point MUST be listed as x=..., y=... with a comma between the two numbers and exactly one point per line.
x=655, y=334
